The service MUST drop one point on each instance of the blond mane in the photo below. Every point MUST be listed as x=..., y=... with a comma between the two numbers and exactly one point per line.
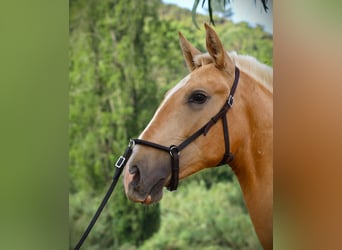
x=259, y=71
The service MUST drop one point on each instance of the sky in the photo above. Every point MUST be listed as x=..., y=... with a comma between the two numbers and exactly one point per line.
x=250, y=11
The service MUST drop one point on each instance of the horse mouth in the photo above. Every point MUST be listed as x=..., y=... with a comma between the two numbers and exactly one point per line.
x=156, y=193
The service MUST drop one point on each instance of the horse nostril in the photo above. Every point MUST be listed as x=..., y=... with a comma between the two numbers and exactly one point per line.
x=134, y=170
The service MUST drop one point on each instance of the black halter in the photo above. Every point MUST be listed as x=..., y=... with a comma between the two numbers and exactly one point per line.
x=175, y=150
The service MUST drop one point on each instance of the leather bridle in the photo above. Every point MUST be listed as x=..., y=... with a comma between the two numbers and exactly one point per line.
x=174, y=153
x=175, y=150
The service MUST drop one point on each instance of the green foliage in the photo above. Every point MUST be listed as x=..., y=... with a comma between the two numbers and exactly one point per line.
x=124, y=56
x=121, y=222
x=199, y=218
x=235, y=37
x=112, y=97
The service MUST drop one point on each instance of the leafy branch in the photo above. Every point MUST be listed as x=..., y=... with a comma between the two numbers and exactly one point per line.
x=210, y=9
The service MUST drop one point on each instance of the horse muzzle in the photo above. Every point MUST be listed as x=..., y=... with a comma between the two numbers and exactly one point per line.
x=141, y=186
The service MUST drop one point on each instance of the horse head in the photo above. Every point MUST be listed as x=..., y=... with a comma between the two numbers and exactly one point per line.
x=185, y=108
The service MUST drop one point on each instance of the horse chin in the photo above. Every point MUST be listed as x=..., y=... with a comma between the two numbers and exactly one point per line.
x=155, y=194
x=149, y=200
x=144, y=196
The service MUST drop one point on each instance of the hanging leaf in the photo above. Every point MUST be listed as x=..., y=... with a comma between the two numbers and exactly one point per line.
x=193, y=13
x=210, y=13
x=210, y=9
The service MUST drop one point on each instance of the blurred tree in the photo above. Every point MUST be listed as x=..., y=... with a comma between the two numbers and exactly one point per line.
x=112, y=96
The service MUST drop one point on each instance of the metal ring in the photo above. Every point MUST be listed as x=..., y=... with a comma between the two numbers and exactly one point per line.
x=174, y=147
x=131, y=143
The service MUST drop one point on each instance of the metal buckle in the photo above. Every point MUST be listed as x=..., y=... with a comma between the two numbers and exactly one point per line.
x=230, y=100
x=120, y=162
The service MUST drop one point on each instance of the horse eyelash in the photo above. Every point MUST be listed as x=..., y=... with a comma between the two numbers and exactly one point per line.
x=191, y=97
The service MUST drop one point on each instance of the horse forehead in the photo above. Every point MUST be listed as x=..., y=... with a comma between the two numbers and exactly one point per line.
x=207, y=78
x=178, y=87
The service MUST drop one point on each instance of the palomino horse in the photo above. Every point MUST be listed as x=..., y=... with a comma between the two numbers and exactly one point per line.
x=194, y=101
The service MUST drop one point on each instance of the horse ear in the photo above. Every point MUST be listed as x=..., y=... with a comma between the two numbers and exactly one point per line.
x=216, y=50
x=189, y=51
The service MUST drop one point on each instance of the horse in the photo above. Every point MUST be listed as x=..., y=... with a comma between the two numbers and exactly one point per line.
x=201, y=99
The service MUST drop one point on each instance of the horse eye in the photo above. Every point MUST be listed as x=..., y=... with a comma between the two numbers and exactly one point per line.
x=198, y=98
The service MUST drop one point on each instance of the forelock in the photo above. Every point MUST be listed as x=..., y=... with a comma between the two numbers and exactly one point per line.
x=203, y=59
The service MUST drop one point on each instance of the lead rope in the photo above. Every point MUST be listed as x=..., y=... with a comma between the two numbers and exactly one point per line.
x=120, y=164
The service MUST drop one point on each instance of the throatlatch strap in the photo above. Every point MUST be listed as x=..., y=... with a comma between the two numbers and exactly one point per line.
x=228, y=156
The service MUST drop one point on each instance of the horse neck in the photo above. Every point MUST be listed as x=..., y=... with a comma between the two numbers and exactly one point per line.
x=251, y=129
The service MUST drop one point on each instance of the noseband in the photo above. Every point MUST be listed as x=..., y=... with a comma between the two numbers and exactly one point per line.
x=175, y=150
